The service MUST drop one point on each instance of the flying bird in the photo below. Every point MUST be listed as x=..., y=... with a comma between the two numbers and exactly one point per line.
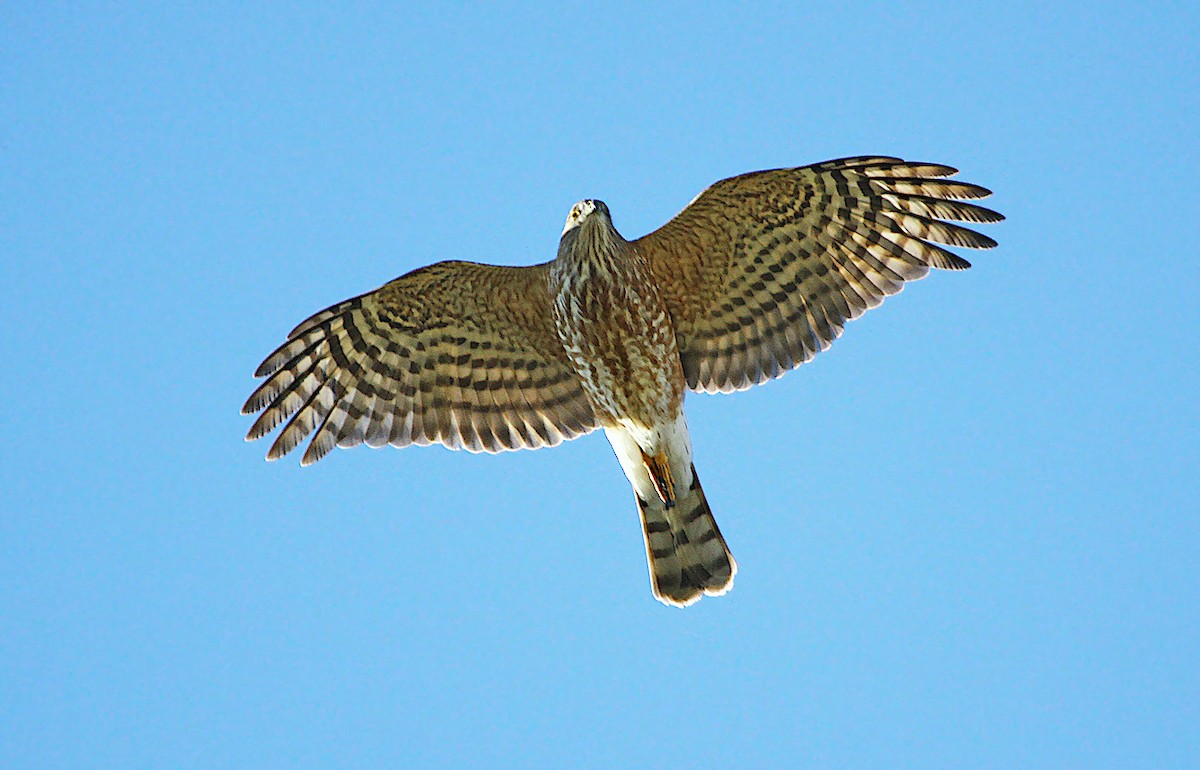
x=758, y=274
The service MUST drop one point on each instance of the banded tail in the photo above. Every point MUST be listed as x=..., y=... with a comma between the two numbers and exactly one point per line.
x=687, y=554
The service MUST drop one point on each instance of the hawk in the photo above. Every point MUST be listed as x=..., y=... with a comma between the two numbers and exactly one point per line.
x=757, y=275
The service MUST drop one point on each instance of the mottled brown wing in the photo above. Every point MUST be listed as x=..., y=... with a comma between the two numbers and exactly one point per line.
x=457, y=353
x=762, y=271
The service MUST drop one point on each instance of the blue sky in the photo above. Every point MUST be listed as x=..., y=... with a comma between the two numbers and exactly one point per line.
x=967, y=534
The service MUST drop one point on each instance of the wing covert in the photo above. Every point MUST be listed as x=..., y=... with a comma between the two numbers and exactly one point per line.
x=762, y=271
x=456, y=353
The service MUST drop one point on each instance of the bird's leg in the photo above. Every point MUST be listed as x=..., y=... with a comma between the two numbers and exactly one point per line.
x=660, y=475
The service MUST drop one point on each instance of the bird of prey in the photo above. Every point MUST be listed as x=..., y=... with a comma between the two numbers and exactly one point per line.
x=754, y=277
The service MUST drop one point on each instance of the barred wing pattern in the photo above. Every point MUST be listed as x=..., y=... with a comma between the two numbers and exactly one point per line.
x=458, y=353
x=762, y=271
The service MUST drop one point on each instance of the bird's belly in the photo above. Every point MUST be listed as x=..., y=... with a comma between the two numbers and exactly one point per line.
x=627, y=361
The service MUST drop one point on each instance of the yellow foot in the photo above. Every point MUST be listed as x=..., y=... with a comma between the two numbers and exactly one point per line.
x=660, y=475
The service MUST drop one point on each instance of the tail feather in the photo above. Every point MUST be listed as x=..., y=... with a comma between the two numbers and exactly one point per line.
x=687, y=554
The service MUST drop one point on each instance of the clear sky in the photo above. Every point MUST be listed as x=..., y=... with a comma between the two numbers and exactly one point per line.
x=968, y=534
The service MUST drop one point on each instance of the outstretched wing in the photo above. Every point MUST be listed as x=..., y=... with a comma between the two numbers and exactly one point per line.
x=457, y=353
x=762, y=271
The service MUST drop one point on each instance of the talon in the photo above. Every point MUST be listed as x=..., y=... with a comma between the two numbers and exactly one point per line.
x=660, y=475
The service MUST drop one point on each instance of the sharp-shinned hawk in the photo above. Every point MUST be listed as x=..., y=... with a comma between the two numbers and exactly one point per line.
x=753, y=278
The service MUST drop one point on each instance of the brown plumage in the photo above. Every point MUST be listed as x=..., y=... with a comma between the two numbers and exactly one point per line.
x=756, y=276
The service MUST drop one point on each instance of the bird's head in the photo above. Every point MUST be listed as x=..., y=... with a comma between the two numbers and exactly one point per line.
x=585, y=211
x=589, y=237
